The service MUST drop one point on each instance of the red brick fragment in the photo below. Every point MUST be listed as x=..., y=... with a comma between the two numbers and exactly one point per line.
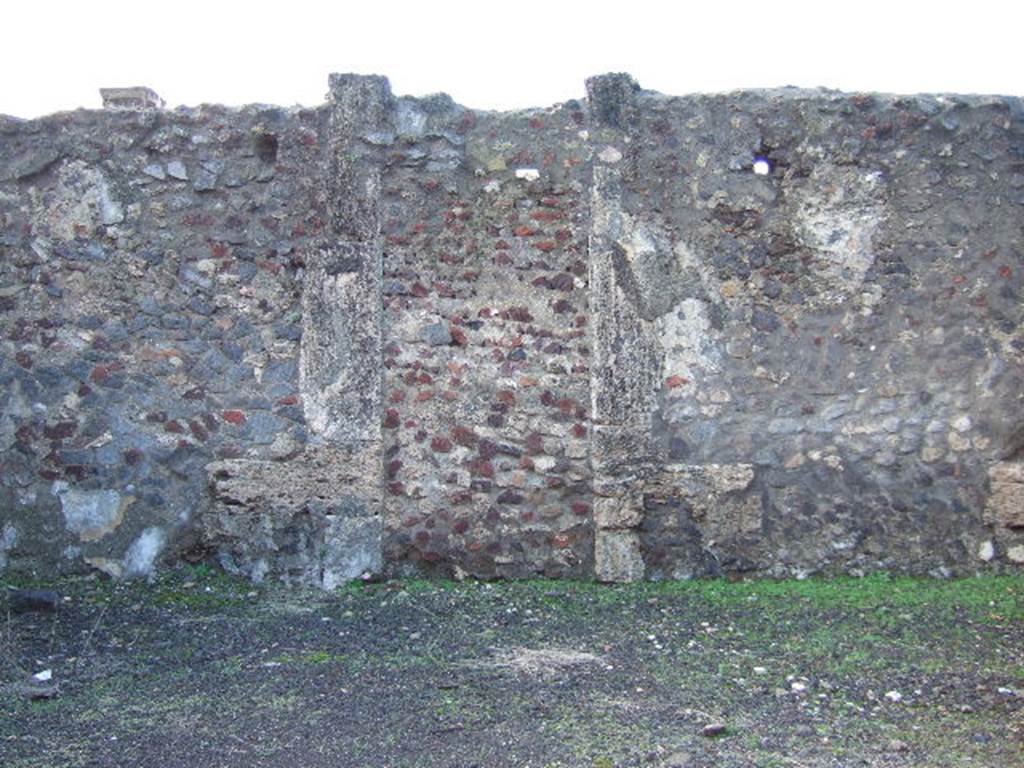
x=60, y=430
x=441, y=445
x=233, y=417
x=481, y=468
x=458, y=335
x=518, y=314
x=464, y=436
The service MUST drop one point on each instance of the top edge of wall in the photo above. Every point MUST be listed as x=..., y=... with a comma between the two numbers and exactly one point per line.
x=339, y=81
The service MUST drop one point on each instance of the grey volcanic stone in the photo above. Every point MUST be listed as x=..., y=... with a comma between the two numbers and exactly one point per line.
x=176, y=170
x=33, y=600
x=436, y=335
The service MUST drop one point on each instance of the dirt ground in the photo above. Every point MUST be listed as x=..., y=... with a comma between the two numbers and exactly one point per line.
x=198, y=669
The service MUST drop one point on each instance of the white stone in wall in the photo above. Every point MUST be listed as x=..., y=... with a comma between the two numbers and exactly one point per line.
x=142, y=554
x=8, y=539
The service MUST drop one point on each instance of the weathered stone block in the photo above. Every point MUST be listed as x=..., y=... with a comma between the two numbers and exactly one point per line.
x=1005, y=505
x=718, y=496
x=612, y=99
x=627, y=358
x=351, y=550
x=134, y=97
x=616, y=451
x=617, y=556
x=618, y=512
x=315, y=518
x=340, y=369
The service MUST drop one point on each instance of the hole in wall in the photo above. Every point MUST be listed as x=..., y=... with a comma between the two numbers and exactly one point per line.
x=762, y=165
x=265, y=145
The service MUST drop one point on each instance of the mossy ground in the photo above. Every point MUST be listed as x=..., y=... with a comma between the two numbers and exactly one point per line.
x=201, y=669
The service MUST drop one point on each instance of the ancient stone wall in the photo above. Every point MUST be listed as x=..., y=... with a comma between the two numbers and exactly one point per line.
x=633, y=336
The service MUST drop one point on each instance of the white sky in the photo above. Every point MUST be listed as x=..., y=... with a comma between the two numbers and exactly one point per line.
x=514, y=53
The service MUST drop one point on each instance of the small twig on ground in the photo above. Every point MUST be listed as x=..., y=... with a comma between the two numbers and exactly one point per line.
x=7, y=654
x=88, y=639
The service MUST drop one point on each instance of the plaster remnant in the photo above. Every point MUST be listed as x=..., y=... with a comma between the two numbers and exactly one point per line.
x=684, y=334
x=92, y=514
x=82, y=201
x=839, y=222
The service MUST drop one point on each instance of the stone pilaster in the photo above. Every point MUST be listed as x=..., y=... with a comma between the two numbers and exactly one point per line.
x=621, y=388
x=341, y=370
